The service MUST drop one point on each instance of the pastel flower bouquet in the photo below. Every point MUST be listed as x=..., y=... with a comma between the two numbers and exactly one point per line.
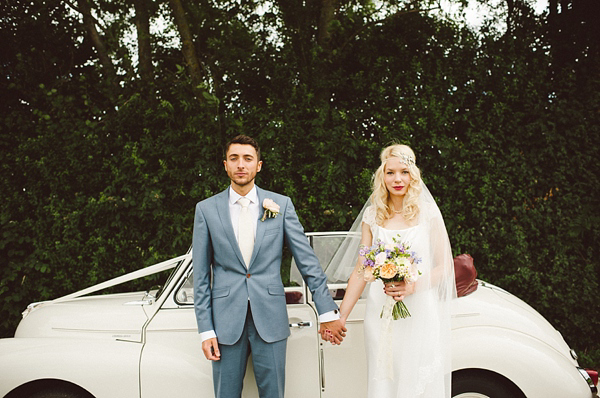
x=392, y=262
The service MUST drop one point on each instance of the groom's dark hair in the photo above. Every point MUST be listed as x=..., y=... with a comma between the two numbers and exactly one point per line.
x=244, y=140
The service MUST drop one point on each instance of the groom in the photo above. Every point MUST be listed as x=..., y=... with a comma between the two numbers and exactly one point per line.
x=238, y=293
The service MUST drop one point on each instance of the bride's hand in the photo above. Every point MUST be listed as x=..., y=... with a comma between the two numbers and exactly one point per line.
x=399, y=290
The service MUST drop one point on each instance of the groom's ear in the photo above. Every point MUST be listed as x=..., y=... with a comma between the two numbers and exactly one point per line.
x=259, y=166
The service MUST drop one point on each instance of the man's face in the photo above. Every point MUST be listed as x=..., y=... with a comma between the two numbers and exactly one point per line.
x=242, y=164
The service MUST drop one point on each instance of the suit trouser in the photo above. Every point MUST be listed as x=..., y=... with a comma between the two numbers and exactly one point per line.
x=268, y=360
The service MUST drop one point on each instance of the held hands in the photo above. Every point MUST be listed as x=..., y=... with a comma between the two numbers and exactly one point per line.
x=333, y=331
x=210, y=348
x=399, y=290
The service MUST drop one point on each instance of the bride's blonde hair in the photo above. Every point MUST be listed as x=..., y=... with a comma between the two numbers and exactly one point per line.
x=380, y=198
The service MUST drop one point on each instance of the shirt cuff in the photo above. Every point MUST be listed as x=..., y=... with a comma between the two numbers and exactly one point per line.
x=329, y=316
x=208, y=335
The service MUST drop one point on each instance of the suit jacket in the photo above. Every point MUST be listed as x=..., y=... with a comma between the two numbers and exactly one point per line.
x=221, y=303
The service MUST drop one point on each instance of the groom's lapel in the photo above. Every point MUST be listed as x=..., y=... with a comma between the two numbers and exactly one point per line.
x=225, y=216
x=260, y=227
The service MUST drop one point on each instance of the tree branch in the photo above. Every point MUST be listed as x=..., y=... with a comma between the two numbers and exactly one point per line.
x=89, y=23
x=187, y=42
x=77, y=9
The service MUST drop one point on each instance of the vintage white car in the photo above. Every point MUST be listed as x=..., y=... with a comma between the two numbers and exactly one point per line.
x=146, y=345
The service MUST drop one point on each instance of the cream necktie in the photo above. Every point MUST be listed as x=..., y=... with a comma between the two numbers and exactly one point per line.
x=245, y=231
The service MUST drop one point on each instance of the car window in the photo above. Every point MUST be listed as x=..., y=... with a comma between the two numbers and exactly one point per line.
x=325, y=247
x=185, y=293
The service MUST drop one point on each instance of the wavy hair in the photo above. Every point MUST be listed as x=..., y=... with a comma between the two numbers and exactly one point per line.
x=380, y=198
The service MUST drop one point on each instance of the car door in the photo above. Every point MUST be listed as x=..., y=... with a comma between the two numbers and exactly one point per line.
x=172, y=358
x=343, y=366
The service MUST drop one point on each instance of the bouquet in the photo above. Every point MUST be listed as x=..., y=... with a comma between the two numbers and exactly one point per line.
x=391, y=263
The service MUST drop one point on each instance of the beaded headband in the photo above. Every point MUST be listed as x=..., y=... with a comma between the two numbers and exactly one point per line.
x=404, y=158
x=407, y=159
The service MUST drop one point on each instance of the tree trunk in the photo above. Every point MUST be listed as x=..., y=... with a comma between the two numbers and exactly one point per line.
x=90, y=26
x=142, y=24
x=187, y=43
x=327, y=15
x=325, y=19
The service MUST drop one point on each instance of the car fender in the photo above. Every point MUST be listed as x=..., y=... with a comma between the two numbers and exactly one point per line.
x=86, y=363
x=511, y=354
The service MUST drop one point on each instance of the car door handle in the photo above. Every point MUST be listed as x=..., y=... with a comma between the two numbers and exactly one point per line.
x=301, y=325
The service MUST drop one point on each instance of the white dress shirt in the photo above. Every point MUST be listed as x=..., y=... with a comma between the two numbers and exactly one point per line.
x=253, y=208
x=235, y=208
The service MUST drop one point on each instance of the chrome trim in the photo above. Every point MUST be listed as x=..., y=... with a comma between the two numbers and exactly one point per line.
x=32, y=307
x=302, y=324
x=573, y=354
x=331, y=233
x=322, y=371
x=588, y=379
x=147, y=301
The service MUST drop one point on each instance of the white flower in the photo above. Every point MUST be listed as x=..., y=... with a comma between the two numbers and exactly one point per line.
x=380, y=258
x=403, y=262
x=271, y=209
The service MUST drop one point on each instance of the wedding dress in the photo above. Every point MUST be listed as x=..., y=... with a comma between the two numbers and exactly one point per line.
x=408, y=358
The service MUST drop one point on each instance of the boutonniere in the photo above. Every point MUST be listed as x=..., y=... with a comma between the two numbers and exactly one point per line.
x=271, y=209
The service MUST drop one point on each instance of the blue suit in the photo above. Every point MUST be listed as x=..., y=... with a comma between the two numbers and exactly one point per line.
x=237, y=295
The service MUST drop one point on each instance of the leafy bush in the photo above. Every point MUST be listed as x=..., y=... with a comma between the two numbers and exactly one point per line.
x=100, y=179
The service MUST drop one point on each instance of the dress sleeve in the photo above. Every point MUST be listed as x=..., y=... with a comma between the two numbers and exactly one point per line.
x=369, y=217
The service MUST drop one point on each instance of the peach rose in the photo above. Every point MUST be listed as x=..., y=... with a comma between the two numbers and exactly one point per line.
x=368, y=274
x=388, y=271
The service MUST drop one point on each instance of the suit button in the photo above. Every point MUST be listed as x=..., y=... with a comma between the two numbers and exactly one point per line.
x=247, y=275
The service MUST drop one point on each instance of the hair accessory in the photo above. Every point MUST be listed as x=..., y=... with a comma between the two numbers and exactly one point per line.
x=407, y=159
x=404, y=158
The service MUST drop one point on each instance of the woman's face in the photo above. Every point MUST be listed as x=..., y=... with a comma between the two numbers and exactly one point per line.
x=397, y=177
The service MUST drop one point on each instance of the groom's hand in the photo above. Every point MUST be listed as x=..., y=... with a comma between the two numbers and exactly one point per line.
x=211, y=349
x=333, y=331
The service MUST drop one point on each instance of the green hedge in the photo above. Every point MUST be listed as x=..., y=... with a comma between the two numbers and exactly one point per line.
x=101, y=180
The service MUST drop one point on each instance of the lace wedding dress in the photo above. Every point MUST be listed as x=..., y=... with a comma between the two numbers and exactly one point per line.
x=404, y=356
x=407, y=358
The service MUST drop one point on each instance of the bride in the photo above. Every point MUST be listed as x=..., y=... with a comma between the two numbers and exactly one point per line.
x=410, y=357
